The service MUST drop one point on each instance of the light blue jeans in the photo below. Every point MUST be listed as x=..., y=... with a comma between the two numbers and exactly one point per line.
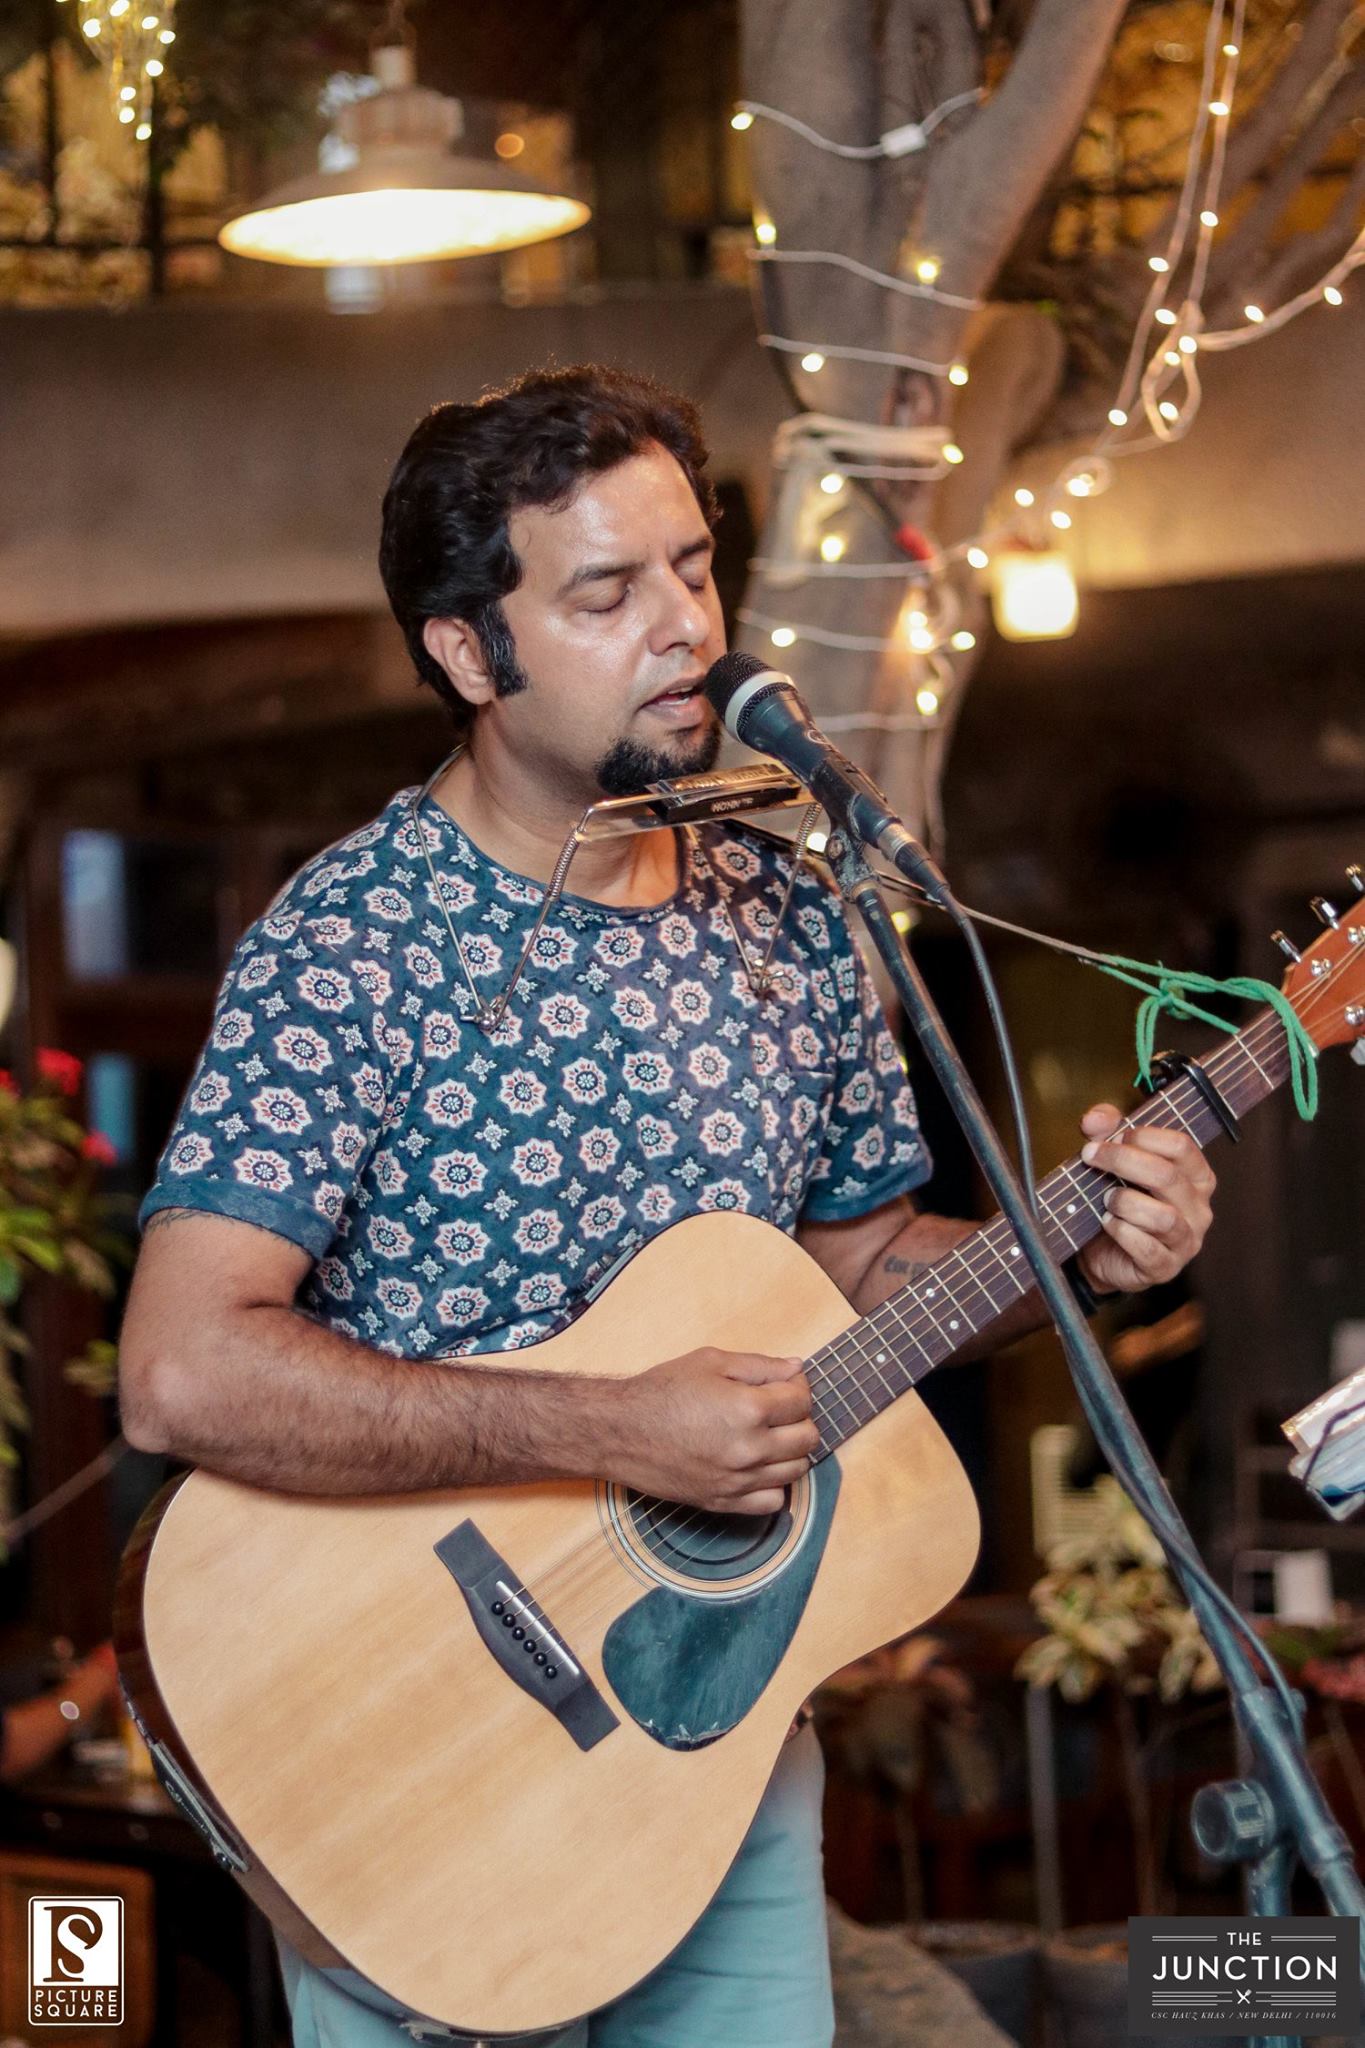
x=753, y=1973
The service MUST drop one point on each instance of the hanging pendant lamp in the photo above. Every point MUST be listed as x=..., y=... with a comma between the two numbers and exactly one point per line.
x=404, y=198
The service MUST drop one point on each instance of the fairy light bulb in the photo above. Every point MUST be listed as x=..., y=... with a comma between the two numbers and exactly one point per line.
x=1117, y=416
x=813, y=362
x=1168, y=411
x=90, y=28
x=958, y=374
x=783, y=636
x=154, y=67
x=1208, y=218
x=927, y=269
x=1232, y=49
x=1188, y=345
x=921, y=640
x=128, y=92
x=126, y=114
x=143, y=131
x=1159, y=264
x=978, y=558
x=1023, y=496
x=833, y=547
x=1254, y=315
x=832, y=483
x=1061, y=520
x=952, y=453
x=1218, y=108
x=1082, y=485
x=740, y=121
x=963, y=642
x=1165, y=316
x=1332, y=295
x=926, y=701
x=764, y=231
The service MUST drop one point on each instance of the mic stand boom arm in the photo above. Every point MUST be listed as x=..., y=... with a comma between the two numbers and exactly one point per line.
x=1263, y=1821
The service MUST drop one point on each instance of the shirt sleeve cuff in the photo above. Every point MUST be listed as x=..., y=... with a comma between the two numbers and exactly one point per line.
x=286, y=1217
x=900, y=1180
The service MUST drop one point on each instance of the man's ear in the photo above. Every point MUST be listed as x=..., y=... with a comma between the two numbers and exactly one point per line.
x=454, y=644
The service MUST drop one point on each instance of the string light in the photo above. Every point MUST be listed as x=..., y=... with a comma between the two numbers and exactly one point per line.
x=1165, y=316
x=1060, y=519
x=927, y=269
x=1168, y=411
x=1117, y=416
x=129, y=44
x=831, y=482
x=765, y=232
x=740, y=121
x=1023, y=496
x=832, y=547
x=1254, y=314
x=783, y=636
x=1208, y=218
x=1187, y=344
x=952, y=453
x=1332, y=295
x=963, y=642
x=1158, y=263
x=1219, y=108
x=926, y=700
x=958, y=374
x=902, y=141
x=813, y=361
x=978, y=558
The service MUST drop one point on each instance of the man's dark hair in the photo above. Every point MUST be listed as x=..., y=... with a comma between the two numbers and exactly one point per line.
x=445, y=550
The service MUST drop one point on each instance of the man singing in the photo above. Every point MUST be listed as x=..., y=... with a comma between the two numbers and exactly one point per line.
x=365, y=1185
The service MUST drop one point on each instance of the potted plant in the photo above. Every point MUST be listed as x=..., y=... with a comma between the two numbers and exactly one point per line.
x=1113, y=1619
x=52, y=1221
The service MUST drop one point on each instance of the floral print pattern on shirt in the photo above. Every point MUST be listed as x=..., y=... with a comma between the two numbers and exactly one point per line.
x=460, y=1192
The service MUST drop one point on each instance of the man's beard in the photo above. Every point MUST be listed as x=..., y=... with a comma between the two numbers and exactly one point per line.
x=629, y=767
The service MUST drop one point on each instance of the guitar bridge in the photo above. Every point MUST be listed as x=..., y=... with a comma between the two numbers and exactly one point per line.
x=520, y=1635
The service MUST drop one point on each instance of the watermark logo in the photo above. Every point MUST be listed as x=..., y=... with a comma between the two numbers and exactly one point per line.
x=75, y=1961
x=1203, y=1975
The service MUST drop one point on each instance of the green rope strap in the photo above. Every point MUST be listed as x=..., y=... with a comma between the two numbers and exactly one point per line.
x=1170, y=988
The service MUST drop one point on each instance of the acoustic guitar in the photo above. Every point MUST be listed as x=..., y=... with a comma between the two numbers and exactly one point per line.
x=495, y=1748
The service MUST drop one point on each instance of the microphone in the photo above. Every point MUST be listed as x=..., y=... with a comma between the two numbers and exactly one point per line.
x=764, y=709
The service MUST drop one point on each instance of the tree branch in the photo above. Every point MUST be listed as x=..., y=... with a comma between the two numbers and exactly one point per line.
x=986, y=177
x=1236, y=254
x=1254, y=139
x=1305, y=257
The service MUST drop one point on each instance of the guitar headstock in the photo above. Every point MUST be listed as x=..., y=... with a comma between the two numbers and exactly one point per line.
x=1326, y=982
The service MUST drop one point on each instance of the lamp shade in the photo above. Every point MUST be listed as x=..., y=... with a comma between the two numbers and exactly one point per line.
x=403, y=198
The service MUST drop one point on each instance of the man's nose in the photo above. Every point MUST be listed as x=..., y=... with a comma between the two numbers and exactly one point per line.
x=682, y=619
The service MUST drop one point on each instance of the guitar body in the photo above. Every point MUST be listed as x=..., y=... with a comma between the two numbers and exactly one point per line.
x=495, y=1848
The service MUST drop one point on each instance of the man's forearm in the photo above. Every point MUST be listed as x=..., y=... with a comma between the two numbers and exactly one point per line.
x=276, y=1400
x=910, y=1253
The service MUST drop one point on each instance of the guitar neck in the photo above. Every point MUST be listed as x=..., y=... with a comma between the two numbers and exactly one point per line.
x=962, y=1295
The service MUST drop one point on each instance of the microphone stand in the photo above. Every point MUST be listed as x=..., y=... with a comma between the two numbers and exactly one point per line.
x=1264, y=1821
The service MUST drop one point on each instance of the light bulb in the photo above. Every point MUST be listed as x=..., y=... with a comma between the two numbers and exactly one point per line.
x=783, y=636
x=1208, y=218
x=813, y=362
x=1254, y=315
x=1023, y=496
x=1168, y=411
x=128, y=92
x=1232, y=50
x=1061, y=520
x=1172, y=358
x=1081, y=485
x=126, y=114
x=962, y=641
x=143, y=131
x=927, y=269
x=958, y=374
x=119, y=7
x=1165, y=316
x=1332, y=295
x=926, y=702
x=765, y=232
x=167, y=36
x=1188, y=344
x=831, y=483
x=1034, y=597
x=832, y=547
x=90, y=28
x=1218, y=108
x=952, y=453
x=154, y=67
x=1159, y=264
x=916, y=619
x=978, y=558
x=1117, y=416
x=742, y=120
x=922, y=640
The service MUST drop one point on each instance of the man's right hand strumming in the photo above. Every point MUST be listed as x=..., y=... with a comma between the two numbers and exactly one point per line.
x=219, y=1367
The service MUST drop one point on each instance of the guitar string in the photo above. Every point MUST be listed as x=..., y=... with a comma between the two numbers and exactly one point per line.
x=846, y=1369
x=659, y=1525
x=1265, y=1030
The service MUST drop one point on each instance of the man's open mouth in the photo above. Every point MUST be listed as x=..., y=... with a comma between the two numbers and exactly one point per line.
x=678, y=693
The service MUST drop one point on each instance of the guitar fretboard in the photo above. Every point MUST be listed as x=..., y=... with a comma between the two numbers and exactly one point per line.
x=964, y=1293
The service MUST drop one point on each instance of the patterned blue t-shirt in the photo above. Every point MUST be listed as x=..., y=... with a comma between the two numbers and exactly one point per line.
x=461, y=1192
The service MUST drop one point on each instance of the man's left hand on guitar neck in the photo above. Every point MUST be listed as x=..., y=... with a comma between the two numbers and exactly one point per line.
x=1155, y=1223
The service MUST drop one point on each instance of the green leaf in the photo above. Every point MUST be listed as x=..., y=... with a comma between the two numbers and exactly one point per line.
x=41, y=1251
x=11, y=1280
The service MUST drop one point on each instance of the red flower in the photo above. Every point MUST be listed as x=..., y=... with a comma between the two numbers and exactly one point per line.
x=61, y=1068
x=8, y=1086
x=94, y=1145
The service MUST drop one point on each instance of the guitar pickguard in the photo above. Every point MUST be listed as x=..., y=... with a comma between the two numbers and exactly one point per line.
x=688, y=1669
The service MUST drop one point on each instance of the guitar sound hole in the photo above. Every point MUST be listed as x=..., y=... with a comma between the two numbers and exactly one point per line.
x=702, y=1545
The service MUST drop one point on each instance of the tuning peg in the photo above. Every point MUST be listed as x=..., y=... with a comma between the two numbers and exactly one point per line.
x=1324, y=911
x=1286, y=945
x=1355, y=878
